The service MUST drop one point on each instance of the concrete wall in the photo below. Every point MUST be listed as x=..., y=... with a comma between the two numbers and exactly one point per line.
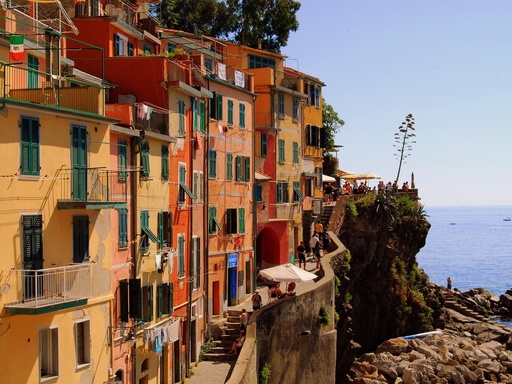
x=286, y=334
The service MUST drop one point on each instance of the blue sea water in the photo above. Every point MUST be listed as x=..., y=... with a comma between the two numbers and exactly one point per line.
x=472, y=245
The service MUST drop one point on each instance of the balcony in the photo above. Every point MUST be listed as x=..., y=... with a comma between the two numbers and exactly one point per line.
x=91, y=188
x=33, y=292
x=32, y=86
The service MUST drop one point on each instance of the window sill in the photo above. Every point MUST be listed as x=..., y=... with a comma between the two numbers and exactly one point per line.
x=83, y=366
x=49, y=379
x=30, y=177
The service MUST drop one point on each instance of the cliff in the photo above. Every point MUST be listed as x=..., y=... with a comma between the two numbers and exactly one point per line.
x=382, y=293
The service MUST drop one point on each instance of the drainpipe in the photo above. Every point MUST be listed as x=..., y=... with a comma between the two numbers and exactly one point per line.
x=206, y=245
x=133, y=215
x=254, y=202
x=188, y=342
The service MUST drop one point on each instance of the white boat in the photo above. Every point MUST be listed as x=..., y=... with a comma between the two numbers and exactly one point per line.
x=507, y=219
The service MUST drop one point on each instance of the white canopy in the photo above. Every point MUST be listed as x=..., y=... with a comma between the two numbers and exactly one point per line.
x=328, y=179
x=286, y=273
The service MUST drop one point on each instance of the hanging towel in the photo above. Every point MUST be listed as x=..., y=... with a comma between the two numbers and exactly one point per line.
x=149, y=112
x=173, y=331
x=197, y=141
x=143, y=109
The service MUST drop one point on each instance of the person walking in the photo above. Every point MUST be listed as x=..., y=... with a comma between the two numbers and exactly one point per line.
x=256, y=300
x=313, y=243
x=244, y=319
x=449, y=283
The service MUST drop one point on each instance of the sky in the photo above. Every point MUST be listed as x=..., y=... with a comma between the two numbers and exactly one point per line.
x=448, y=62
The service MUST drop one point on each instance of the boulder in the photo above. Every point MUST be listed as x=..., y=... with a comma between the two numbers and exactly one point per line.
x=394, y=346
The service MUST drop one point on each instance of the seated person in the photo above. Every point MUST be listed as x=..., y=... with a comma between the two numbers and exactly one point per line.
x=238, y=344
x=277, y=291
x=290, y=291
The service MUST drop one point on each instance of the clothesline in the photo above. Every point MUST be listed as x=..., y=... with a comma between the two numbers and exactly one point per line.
x=154, y=107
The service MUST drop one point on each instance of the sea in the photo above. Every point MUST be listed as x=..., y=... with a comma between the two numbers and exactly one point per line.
x=472, y=245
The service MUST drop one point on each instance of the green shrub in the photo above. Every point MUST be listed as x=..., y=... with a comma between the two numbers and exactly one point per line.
x=351, y=209
x=323, y=316
x=265, y=373
x=205, y=348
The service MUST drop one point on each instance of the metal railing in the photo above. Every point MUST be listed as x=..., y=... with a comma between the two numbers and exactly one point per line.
x=92, y=184
x=158, y=121
x=34, y=86
x=46, y=287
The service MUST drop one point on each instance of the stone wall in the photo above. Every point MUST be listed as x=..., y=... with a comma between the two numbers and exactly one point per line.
x=287, y=335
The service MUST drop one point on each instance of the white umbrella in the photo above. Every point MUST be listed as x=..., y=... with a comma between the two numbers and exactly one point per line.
x=286, y=273
x=328, y=179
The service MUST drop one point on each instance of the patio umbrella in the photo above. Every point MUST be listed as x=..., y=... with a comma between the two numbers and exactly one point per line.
x=360, y=176
x=287, y=273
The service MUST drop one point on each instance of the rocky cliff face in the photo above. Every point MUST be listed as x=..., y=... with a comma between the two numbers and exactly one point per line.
x=382, y=292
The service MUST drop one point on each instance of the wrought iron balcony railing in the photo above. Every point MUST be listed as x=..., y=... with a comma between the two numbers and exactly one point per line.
x=31, y=85
x=25, y=291
x=91, y=188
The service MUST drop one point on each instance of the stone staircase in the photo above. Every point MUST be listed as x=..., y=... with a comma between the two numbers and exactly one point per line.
x=326, y=214
x=451, y=302
x=222, y=346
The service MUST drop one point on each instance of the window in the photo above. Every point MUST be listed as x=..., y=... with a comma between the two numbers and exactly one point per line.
x=219, y=107
x=123, y=228
x=295, y=153
x=181, y=113
x=202, y=117
x=314, y=96
x=49, y=352
x=258, y=192
x=295, y=109
x=229, y=166
x=195, y=186
x=280, y=107
x=312, y=135
x=281, y=151
x=182, y=174
x=144, y=158
x=213, y=223
x=264, y=148
x=231, y=222
x=194, y=114
x=196, y=262
x=261, y=62
x=308, y=186
x=241, y=118
x=83, y=342
x=230, y=112
x=121, y=159
x=208, y=64
x=121, y=46
x=146, y=233
x=32, y=73
x=164, y=229
x=282, y=192
x=297, y=194
x=212, y=163
x=165, y=162
x=181, y=255
x=30, y=146
x=241, y=220
x=147, y=303
x=147, y=49
x=201, y=187
x=130, y=49
x=166, y=299
x=243, y=168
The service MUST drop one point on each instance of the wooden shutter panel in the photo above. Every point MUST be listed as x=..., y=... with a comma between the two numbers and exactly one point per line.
x=160, y=300
x=123, y=300
x=135, y=298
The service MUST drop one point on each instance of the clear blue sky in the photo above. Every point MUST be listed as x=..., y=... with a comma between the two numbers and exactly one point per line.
x=448, y=62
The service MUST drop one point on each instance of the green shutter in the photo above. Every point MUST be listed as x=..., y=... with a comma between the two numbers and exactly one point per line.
x=194, y=113
x=202, y=117
x=121, y=159
x=229, y=166
x=241, y=220
x=263, y=145
x=219, y=107
x=123, y=228
x=238, y=168
x=181, y=256
x=295, y=153
x=230, y=112
x=242, y=116
x=247, y=169
x=150, y=302
x=144, y=222
x=165, y=162
x=144, y=158
x=171, y=297
x=29, y=146
x=161, y=230
x=160, y=300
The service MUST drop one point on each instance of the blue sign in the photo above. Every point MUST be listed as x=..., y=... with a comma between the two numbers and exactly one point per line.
x=232, y=260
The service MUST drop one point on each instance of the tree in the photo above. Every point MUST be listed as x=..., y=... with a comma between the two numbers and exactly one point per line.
x=331, y=123
x=404, y=139
x=247, y=22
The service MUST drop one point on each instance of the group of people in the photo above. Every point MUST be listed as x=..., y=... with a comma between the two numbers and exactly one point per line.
x=319, y=243
x=330, y=192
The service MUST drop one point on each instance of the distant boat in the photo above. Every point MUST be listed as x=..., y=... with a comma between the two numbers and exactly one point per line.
x=507, y=219
x=452, y=223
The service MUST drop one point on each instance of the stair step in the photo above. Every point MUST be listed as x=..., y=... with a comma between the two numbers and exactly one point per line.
x=220, y=357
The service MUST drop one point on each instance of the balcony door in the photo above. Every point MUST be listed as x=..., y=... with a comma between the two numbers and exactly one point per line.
x=79, y=160
x=80, y=239
x=32, y=254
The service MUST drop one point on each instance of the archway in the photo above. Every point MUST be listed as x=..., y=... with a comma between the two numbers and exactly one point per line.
x=267, y=248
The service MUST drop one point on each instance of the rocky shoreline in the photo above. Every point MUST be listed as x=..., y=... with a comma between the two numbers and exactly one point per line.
x=471, y=348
